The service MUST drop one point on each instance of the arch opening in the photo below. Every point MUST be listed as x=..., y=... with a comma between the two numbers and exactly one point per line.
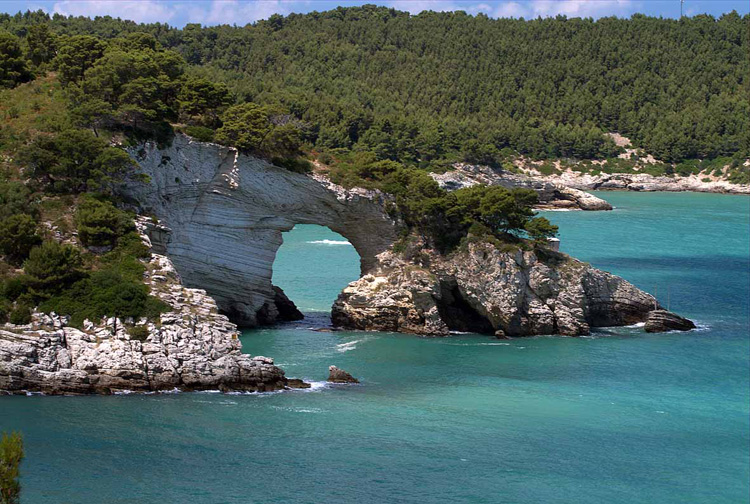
x=311, y=267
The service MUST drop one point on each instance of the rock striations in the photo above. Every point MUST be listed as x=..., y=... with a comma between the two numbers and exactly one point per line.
x=222, y=215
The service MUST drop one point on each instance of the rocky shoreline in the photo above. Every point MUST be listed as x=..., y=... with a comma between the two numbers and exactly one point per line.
x=567, y=190
x=192, y=347
x=551, y=195
x=219, y=217
x=643, y=182
x=486, y=290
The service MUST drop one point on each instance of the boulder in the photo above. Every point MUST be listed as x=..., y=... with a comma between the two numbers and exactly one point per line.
x=296, y=383
x=336, y=375
x=663, y=320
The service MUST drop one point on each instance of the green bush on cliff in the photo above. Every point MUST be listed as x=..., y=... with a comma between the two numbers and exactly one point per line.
x=75, y=161
x=52, y=267
x=18, y=235
x=99, y=223
x=105, y=293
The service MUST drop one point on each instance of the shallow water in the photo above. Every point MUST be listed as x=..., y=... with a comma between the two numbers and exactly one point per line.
x=619, y=417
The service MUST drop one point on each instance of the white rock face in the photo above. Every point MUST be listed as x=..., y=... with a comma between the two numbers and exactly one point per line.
x=482, y=289
x=224, y=214
x=192, y=347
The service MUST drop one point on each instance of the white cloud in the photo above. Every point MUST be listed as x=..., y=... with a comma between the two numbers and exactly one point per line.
x=417, y=6
x=142, y=11
x=511, y=9
x=241, y=12
x=580, y=8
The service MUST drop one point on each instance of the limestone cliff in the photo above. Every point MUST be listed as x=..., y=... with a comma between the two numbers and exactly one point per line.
x=483, y=289
x=222, y=215
x=192, y=347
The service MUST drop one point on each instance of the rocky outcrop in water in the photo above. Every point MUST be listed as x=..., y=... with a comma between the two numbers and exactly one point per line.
x=483, y=289
x=336, y=375
x=221, y=218
x=222, y=215
x=551, y=195
x=192, y=347
x=662, y=321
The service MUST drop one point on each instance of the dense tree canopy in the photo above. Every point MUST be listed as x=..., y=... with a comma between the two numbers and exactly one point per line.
x=416, y=88
x=13, y=67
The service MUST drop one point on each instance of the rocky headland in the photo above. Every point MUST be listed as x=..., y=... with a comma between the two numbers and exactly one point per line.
x=483, y=288
x=644, y=182
x=191, y=347
x=214, y=219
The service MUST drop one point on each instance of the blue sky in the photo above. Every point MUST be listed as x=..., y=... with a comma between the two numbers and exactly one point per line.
x=241, y=12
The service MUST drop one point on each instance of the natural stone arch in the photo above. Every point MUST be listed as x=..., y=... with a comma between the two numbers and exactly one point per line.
x=222, y=215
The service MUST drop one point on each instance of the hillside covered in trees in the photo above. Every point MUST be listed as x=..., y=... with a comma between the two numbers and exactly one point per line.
x=449, y=85
x=376, y=97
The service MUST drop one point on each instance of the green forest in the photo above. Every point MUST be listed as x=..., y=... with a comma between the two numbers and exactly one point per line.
x=445, y=85
x=375, y=96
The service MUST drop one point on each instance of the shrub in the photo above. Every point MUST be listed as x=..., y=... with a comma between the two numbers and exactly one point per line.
x=15, y=198
x=139, y=333
x=200, y=133
x=21, y=314
x=17, y=237
x=105, y=294
x=5, y=309
x=14, y=287
x=11, y=455
x=99, y=223
x=51, y=267
x=296, y=165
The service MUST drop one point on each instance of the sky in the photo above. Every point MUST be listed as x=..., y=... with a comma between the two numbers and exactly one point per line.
x=241, y=12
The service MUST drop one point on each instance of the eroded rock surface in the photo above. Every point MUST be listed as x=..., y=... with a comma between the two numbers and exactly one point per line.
x=662, y=321
x=193, y=347
x=336, y=375
x=485, y=290
x=222, y=215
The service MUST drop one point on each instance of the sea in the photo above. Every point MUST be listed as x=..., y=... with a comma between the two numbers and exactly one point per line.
x=620, y=416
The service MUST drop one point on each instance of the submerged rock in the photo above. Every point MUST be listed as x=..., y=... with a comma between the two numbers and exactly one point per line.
x=663, y=320
x=336, y=375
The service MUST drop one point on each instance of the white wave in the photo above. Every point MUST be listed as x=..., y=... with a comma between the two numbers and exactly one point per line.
x=636, y=325
x=298, y=410
x=345, y=347
x=329, y=242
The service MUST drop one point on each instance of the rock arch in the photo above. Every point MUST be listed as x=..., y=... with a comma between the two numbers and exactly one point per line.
x=222, y=214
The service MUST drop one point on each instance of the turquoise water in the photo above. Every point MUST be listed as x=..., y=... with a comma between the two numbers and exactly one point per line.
x=621, y=417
